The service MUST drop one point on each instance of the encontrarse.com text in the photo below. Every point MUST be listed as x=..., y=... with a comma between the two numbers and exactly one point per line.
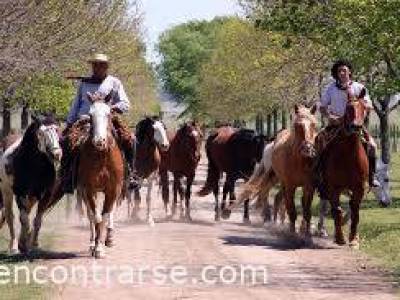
x=105, y=275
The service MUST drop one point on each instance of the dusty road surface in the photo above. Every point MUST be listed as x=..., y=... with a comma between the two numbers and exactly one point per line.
x=211, y=261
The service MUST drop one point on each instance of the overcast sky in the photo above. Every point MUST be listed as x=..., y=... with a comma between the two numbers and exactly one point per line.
x=162, y=14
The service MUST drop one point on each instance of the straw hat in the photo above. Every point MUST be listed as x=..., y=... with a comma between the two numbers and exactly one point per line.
x=102, y=58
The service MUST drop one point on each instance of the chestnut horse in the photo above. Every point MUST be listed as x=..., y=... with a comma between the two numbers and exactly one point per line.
x=151, y=139
x=288, y=161
x=181, y=159
x=100, y=169
x=344, y=165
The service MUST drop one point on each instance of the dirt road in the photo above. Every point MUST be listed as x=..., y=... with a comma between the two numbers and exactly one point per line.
x=286, y=270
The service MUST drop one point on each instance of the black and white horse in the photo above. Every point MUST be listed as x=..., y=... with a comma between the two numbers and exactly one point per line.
x=28, y=171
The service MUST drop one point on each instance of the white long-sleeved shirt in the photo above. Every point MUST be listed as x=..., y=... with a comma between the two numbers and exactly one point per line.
x=335, y=99
x=81, y=103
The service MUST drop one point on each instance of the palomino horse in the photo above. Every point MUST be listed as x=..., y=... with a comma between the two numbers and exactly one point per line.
x=344, y=165
x=28, y=170
x=181, y=159
x=151, y=138
x=100, y=170
x=236, y=153
x=289, y=160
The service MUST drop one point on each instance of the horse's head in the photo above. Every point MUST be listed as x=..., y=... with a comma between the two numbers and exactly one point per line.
x=305, y=129
x=355, y=112
x=152, y=130
x=100, y=117
x=46, y=132
x=192, y=136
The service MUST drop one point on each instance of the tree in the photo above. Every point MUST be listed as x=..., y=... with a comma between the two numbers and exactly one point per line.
x=183, y=50
x=365, y=32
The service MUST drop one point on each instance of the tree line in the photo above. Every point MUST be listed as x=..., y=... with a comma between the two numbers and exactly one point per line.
x=279, y=54
x=43, y=42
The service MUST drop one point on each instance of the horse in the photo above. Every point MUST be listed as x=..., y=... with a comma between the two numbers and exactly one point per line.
x=288, y=161
x=344, y=166
x=235, y=152
x=151, y=139
x=28, y=171
x=182, y=159
x=100, y=170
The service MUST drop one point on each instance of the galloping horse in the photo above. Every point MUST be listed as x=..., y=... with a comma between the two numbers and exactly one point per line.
x=236, y=153
x=151, y=138
x=344, y=165
x=100, y=169
x=181, y=159
x=289, y=160
x=28, y=170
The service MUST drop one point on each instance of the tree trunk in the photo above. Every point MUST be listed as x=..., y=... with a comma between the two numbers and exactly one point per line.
x=275, y=122
x=385, y=138
x=6, y=117
x=269, y=126
x=284, y=119
x=260, y=124
x=25, y=116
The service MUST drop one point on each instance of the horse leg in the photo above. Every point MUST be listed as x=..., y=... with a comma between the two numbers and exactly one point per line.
x=217, y=210
x=24, y=236
x=278, y=206
x=110, y=230
x=323, y=212
x=37, y=222
x=175, y=202
x=92, y=221
x=138, y=200
x=188, y=192
x=355, y=209
x=337, y=214
x=306, y=201
x=225, y=191
x=8, y=198
x=164, y=189
x=150, y=181
x=291, y=209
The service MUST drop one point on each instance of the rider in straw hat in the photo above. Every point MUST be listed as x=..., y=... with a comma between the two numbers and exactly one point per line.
x=111, y=87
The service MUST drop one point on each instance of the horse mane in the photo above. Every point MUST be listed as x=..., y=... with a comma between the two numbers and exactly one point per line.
x=141, y=128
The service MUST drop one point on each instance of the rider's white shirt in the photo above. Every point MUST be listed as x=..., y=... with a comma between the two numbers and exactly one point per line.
x=81, y=104
x=335, y=99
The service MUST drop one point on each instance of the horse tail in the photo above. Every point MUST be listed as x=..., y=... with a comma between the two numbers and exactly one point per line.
x=212, y=172
x=261, y=181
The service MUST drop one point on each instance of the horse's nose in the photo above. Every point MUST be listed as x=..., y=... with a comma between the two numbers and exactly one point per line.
x=100, y=143
x=57, y=154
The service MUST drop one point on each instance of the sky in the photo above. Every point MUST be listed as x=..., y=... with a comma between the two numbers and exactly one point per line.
x=160, y=15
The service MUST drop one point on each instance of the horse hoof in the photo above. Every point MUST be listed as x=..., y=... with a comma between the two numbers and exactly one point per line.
x=109, y=243
x=13, y=251
x=217, y=218
x=355, y=245
x=246, y=221
x=188, y=218
x=99, y=254
x=322, y=233
x=226, y=214
x=340, y=241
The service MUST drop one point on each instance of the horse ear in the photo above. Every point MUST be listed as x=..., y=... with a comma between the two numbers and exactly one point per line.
x=90, y=97
x=313, y=109
x=363, y=93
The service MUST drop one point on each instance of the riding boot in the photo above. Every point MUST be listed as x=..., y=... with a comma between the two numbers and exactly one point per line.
x=133, y=176
x=371, y=153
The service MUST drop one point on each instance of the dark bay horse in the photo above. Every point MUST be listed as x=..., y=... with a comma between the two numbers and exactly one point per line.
x=345, y=169
x=151, y=139
x=234, y=152
x=181, y=159
x=28, y=171
x=100, y=169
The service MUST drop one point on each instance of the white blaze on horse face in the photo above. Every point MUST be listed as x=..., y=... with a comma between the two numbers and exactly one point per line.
x=100, y=113
x=49, y=141
x=160, y=135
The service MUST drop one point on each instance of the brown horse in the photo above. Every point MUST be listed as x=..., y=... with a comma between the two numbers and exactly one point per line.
x=151, y=139
x=100, y=169
x=234, y=152
x=181, y=159
x=288, y=160
x=344, y=164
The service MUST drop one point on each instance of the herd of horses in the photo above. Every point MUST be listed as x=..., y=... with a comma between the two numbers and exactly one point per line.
x=28, y=171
